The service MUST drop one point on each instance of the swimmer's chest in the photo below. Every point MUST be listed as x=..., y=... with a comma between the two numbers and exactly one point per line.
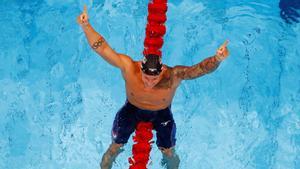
x=135, y=88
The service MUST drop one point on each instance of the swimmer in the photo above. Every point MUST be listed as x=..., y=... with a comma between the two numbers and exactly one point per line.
x=150, y=88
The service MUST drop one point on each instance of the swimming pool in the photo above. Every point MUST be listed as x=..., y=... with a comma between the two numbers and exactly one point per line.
x=58, y=99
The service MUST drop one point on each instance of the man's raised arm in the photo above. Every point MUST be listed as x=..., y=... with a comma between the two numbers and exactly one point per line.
x=98, y=43
x=204, y=67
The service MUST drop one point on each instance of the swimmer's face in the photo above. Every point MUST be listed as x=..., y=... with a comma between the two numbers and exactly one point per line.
x=149, y=80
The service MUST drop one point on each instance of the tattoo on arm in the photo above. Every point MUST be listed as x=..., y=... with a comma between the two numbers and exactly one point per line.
x=98, y=43
x=208, y=65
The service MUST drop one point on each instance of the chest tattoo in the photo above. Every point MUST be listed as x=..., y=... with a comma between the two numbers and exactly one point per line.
x=164, y=83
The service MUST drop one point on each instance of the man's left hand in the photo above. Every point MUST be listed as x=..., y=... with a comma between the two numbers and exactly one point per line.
x=222, y=52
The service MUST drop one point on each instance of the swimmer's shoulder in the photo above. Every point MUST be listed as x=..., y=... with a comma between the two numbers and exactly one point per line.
x=127, y=61
x=169, y=70
x=129, y=64
x=171, y=74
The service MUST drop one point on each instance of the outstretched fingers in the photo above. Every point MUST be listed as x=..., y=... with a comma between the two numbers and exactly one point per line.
x=84, y=15
x=85, y=9
x=225, y=43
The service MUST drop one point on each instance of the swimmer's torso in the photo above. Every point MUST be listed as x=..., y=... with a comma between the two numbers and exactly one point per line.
x=159, y=97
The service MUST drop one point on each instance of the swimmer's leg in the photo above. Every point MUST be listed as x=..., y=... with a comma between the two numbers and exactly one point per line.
x=110, y=155
x=123, y=126
x=170, y=158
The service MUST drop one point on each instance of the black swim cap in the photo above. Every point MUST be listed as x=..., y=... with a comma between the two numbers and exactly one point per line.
x=151, y=65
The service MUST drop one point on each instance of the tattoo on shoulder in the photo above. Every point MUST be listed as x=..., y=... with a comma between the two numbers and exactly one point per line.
x=98, y=43
x=166, y=82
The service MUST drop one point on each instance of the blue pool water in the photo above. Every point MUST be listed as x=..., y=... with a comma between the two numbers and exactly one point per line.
x=58, y=99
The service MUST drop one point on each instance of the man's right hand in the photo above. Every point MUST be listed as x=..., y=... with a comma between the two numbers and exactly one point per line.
x=82, y=19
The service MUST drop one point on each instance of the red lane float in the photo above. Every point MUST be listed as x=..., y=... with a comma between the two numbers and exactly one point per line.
x=155, y=30
x=156, y=18
x=160, y=1
x=153, y=42
x=154, y=51
x=142, y=147
x=157, y=8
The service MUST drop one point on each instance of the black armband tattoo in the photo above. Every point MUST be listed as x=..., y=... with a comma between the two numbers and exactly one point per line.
x=98, y=43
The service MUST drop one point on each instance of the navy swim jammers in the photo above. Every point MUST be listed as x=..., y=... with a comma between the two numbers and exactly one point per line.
x=129, y=116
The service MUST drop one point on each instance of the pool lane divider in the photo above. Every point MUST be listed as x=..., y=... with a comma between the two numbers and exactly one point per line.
x=155, y=30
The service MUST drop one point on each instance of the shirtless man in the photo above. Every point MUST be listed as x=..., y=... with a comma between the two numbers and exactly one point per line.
x=150, y=87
